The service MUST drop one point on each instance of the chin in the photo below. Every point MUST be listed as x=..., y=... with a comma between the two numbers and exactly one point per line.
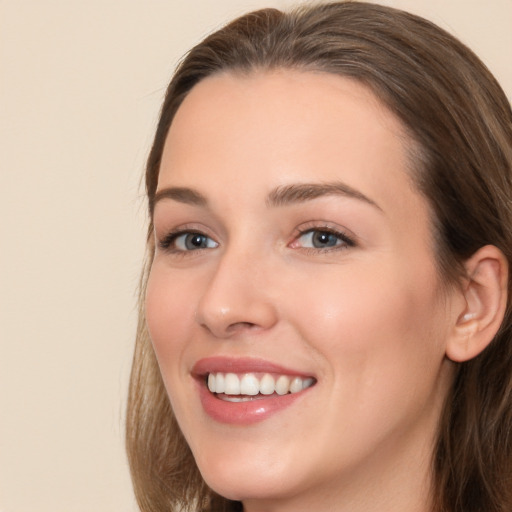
x=247, y=478
x=247, y=488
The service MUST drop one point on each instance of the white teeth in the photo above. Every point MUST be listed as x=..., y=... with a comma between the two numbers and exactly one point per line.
x=220, y=383
x=267, y=385
x=211, y=382
x=283, y=385
x=307, y=383
x=296, y=385
x=232, y=384
x=249, y=385
x=237, y=398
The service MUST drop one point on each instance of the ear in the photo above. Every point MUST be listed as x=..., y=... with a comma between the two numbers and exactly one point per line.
x=485, y=294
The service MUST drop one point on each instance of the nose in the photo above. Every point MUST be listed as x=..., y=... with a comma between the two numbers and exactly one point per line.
x=236, y=300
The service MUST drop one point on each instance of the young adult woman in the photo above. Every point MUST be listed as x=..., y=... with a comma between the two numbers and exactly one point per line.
x=325, y=317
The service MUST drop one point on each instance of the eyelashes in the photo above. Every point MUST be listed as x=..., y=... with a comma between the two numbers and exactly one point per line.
x=322, y=239
x=184, y=241
x=310, y=239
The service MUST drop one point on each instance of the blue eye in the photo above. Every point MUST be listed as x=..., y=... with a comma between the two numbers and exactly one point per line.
x=323, y=239
x=187, y=241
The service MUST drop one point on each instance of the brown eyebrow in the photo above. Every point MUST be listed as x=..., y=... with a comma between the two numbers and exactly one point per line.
x=300, y=192
x=180, y=194
x=280, y=196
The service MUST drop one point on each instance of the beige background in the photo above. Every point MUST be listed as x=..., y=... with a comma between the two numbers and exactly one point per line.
x=80, y=87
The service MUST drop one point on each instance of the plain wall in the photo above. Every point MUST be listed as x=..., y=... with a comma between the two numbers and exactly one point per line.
x=80, y=87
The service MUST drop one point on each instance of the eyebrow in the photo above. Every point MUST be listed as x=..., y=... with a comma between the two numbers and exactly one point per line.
x=301, y=192
x=181, y=194
x=280, y=196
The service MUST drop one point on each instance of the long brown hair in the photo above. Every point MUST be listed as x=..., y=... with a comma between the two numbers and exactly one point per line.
x=461, y=123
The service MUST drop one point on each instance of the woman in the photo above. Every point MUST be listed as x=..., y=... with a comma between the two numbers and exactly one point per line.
x=325, y=322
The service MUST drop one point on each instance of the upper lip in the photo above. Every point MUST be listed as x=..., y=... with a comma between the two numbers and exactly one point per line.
x=225, y=364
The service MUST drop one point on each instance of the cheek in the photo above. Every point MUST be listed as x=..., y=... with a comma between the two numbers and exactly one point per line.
x=370, y=323
x=169, y=312
x=169, y=318
x=383, y=344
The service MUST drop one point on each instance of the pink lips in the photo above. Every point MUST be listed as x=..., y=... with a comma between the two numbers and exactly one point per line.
x=242, y=413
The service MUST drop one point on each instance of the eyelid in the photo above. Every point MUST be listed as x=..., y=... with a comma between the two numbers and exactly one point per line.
x=345, y=235
x=166, y=241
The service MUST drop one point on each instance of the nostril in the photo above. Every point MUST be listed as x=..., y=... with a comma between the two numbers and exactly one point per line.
x=242, y=326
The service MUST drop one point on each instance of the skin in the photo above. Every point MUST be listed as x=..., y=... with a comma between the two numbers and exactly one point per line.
x=369, y=319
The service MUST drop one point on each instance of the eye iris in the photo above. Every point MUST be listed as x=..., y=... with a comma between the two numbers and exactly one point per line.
x=195, y=241
x=324, y=239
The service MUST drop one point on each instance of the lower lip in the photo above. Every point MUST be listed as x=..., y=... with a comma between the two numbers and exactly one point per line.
x=245, y=413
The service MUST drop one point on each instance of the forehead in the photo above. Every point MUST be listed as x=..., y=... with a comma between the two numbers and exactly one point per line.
x=294, y=103
x=285, y=125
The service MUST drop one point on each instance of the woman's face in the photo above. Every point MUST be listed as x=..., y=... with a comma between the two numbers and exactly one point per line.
x=294, y=260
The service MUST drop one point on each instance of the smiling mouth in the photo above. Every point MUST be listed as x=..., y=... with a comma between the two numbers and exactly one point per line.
x=232, y=387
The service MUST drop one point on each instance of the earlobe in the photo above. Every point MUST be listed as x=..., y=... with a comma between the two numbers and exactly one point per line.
x=485, y=294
